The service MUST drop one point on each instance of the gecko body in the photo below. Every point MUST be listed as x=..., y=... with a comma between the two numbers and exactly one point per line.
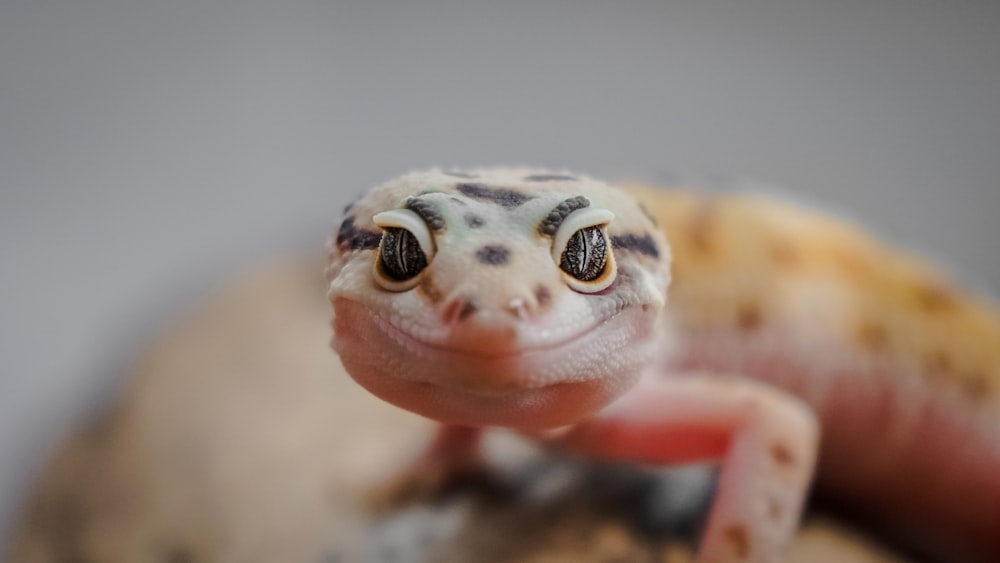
x=683, y=328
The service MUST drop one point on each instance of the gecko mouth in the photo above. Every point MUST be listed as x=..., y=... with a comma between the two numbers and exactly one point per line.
x=492, y=347
x=550, y=382
x=492, y=361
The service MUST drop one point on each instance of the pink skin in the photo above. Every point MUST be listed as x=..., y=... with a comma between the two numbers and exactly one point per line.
x=904, y=460
x=766, y=440
x=487, y=349
x=469, y=388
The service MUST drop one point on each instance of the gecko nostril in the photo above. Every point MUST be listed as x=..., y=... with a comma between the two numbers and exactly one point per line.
x=468, y=309
x=518, y=308
x=542, y=295
x=458, y=309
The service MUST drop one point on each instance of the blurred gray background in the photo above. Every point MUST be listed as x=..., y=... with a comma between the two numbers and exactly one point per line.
x=150, y=149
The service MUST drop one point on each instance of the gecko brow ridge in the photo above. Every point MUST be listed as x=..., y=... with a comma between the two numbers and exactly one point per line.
x=428, y=212
x=554, y=219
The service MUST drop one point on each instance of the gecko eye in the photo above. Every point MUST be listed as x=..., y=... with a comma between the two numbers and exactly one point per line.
x=405, y=250
x=583, y=252
x=586, y=254
x=400, y=253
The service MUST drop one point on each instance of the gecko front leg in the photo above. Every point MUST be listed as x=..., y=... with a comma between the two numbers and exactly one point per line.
x=452, y=457
x=766, y=440
x=532, y=301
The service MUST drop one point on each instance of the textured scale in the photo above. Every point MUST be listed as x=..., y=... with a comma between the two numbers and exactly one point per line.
x=744, y=263
x=901, y=368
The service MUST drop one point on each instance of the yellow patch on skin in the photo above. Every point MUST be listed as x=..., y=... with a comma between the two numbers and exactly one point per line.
x=851, y=263
x=742, y=249
x=784, y=253
x=701, y=227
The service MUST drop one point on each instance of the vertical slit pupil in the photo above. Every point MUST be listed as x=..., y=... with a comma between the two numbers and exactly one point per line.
x=586, y=254
x=402, y=257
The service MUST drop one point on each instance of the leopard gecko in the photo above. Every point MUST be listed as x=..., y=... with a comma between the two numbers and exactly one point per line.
x=668, y=327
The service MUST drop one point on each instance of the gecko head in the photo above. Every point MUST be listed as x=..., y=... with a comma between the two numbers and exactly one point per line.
x=502, y=297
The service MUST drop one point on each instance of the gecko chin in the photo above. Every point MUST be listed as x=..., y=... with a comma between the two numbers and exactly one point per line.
x=534, y=388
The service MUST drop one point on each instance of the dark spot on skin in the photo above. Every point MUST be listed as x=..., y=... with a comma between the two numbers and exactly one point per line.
x=976, y=386
x=749, y=317
x=502, y=196
x=365, y=240
x=352, y=238
x=457, y=201
x=429, y=290
x=782, y=455
x=458, y=174
x=346, y=231
x=428, y=212
x=493, y=255
x=739, y=539
x=468, y=309
x=474, y=221
x=542, y=295
x=872, y=336
x=643, y=244
x=554, y=219
x=549, y=178
x=937, y=363
x=650, y=216
x=934, y=299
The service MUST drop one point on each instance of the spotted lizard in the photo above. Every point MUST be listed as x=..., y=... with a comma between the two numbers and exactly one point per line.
x=785, y=345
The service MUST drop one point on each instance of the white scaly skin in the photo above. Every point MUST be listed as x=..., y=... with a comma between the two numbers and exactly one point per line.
x=490, y=331
x=534, y=353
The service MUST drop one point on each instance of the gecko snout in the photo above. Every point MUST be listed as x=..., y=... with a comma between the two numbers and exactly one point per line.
x=463, y=307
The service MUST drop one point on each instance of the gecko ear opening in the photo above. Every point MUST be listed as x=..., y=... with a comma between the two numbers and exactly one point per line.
x=405, y=250
x=582, y=250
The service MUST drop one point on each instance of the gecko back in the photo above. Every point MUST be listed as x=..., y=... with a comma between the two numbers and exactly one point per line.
x=902, y=365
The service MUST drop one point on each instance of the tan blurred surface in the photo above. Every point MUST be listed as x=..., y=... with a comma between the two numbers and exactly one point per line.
x=240, y=439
